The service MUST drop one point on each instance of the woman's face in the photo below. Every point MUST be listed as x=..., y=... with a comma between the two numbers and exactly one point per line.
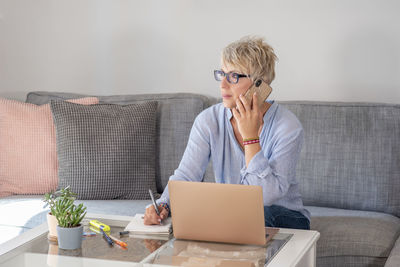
x=230, y=91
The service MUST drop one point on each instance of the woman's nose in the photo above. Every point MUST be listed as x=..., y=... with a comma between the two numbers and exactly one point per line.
x=224, y=83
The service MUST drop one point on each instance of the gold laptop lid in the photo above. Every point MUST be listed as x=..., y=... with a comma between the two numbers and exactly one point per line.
x=217, y=212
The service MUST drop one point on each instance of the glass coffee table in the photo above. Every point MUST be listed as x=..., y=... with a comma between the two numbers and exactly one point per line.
x=33, y=248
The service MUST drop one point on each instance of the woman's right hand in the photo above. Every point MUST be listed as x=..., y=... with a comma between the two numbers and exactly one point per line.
x=151, y=217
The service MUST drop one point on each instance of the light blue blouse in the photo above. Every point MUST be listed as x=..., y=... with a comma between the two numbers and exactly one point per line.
x=272, y=168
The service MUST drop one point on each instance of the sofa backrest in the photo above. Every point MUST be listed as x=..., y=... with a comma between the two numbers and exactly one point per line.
x=175, y=115
x=351, y=155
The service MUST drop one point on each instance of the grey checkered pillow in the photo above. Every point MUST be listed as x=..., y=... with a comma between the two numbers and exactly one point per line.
x=106, y=151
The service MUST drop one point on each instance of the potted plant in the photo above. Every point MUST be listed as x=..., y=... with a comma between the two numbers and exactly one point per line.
x=69, y=217
x=50, y=200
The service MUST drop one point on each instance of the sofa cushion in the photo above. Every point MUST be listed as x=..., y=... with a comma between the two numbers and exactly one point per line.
x=106, y=151
x=28, y=210
x=28, y=157
x=175, y=115
x=351, y=154
x=394, y=257
x=351, y=261
x=359, y=235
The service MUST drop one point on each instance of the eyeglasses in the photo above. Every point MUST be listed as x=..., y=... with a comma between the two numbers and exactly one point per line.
x=231, y=77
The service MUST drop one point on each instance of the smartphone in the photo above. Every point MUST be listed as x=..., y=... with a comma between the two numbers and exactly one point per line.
x=263, y=91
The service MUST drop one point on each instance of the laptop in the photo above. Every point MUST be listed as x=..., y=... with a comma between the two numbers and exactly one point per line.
x=228, y=213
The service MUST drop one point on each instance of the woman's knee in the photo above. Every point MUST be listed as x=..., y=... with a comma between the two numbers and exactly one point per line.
x=277, y=216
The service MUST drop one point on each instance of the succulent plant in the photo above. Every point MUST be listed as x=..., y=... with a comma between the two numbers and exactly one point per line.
x=63, y=208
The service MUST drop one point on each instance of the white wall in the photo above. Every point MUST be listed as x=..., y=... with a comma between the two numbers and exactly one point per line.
x=334, y=50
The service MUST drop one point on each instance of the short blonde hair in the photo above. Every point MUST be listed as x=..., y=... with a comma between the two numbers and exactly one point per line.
x=252, y=55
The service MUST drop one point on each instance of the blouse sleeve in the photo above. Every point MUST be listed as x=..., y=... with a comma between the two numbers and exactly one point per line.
x=276, y=172
x=195, y=158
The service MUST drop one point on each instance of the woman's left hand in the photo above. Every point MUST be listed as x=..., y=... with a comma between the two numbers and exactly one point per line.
x=248, y=118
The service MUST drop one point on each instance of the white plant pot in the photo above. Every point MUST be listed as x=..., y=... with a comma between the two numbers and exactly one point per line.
x=52, y=223
x=70, y=238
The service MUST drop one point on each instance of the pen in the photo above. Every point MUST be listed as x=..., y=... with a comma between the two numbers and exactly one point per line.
x=124, y=233
x=108, y=239
x=89, y=233
x=154, y=202
x=119, y=242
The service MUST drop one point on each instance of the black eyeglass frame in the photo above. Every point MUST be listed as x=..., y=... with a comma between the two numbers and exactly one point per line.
x=228, y=76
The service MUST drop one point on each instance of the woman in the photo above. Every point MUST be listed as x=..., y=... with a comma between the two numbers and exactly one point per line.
x=222, y=131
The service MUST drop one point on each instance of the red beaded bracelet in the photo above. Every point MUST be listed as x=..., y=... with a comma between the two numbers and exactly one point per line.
x=250, y=139
x=254, y=141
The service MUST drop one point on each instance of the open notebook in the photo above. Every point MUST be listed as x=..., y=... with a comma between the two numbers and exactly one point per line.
x=137, y=227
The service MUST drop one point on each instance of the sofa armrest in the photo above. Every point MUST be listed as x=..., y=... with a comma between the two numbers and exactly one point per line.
x=394, y=257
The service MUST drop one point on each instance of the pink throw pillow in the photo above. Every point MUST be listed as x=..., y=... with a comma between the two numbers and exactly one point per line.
x=28, y=157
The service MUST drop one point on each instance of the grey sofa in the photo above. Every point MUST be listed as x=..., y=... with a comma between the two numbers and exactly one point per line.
x=349, y=173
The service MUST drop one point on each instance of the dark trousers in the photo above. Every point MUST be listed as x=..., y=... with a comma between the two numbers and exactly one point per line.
x=278, y=216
